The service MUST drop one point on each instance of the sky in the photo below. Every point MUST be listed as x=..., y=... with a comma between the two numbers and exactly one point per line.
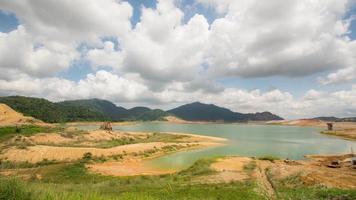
x=295, y=58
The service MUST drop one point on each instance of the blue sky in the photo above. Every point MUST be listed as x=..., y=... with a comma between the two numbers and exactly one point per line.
x=79, y=68
x=144, y=67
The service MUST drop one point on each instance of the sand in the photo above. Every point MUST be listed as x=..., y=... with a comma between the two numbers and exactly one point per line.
x=314, y=171
x=38, y=153
x=129, y=167
x=173, y=119
x=9, y=117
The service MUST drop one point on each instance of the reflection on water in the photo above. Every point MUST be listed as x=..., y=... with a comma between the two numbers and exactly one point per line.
x=246, y=140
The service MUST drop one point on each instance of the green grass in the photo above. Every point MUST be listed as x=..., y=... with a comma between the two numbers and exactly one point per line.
x=23, y=165
x=155, y=137
x=269, y=158
x=13, y=189
x=73, y=182
x=306, y=193
x=200, y=167
x=249, y=167
x=25, y=130
x=163, y=137
x=292, y=187
x=112, y=190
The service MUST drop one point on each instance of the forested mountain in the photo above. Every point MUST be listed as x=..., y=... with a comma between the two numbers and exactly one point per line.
x=336, y=119
x=103, y=110
x=104, y=107
x=208, y=112
x=50, y=112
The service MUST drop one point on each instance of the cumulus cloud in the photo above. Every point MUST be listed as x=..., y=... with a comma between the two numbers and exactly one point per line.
x=279, y=37
x=19, y=52
x=102, y=84
x=123, y=91
x=167, y=59
x=69, y=21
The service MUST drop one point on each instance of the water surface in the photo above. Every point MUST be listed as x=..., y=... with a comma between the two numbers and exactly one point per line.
x=246, y=140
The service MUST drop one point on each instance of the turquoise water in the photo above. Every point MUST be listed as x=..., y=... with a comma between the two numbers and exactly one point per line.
x=246, y=140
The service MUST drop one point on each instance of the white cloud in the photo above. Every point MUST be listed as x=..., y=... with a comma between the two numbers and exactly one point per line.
x=164, y=61
x=19, y=52
x=280, y=37
x=125, y=91
x=102, y=84
x=105, y=56
x=67, y=21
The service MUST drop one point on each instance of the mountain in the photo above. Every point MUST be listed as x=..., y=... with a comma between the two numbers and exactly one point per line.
x=326, y=118
x=205, y=112
x=151, y=115
x=137, y=111
x=103, y=110
x=48, y=111
x=263, y=116
x=209, y=112
x=79, y=110
x=104, y=107
x=336, y=119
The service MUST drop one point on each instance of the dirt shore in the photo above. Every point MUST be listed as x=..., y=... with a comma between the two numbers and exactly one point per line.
x=346, y=130
x=65, y=148
x=9, y=117
x=312, y=172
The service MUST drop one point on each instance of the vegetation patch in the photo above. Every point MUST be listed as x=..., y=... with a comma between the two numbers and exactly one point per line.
x=200, y=167
x=249, y=167
x=24, y=130
x=269, y=158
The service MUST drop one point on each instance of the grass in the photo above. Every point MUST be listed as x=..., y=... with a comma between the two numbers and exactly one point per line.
x=249, y=167
x=269, y=158
x=200, y=167
x=116, y=142
x=306, y=193
x=155, y=137
x=25, y=130
x=22, y=165
x=73, y=182
x=292, y=187
x=13, y=189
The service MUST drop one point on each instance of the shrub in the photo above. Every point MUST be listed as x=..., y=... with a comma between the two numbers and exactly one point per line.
x=269, y=158
x=13, y=189
x=87, y=156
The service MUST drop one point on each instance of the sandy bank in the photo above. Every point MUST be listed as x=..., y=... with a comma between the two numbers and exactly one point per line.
x=314, y=171
x=129, y=167
x=72, y=146
x=9, y=117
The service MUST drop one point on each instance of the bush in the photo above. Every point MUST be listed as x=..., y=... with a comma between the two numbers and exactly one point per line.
x=269, y=158
x=87, y=156
x=13, y=189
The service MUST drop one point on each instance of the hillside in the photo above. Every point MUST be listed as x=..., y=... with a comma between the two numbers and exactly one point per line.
x=8, y=117
x=263, y=116
x=103, y=110
x=208, y=112
x=104, y=107
x=79, y=110
x=50, y=112
x=336, y=119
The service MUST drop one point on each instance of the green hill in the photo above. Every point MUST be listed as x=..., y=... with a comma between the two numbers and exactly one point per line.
x=50, y=112
x=104, y=107
x=103, y=110
x=208, y=112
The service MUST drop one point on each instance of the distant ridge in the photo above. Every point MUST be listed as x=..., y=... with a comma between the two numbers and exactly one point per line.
x=209, y=112
x=102, y=110
x=336, y=119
